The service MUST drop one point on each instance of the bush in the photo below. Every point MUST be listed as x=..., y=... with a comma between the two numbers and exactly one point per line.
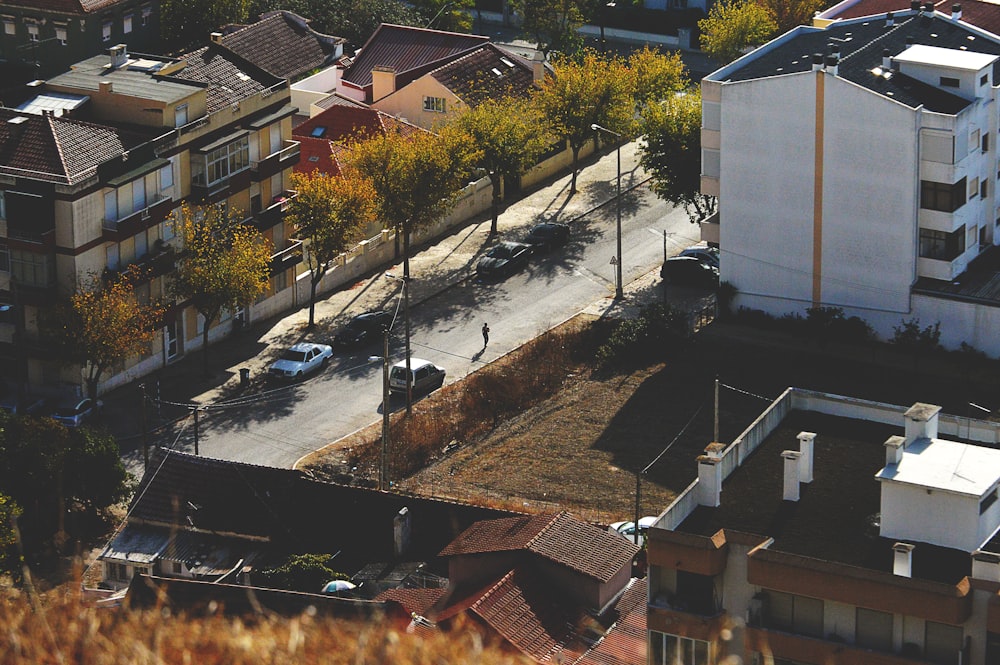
x=911, y=337
x=300, y=572
x=658, y=327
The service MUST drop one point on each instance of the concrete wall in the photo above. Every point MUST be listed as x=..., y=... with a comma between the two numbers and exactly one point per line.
x=912, y=514
x=408, y=102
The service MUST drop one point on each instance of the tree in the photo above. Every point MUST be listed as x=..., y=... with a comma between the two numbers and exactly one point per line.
x=590, y=90
x=328, y=213
x=788, y=14
x=553, y=24
x=104, y=323
x=224, y=263
x=354, y=20
x=453, y=15
x=656, y=76
x=185, y=23
x=671, y=153
x=734, y=25
x=9, y=514
x=510, y=138
x=307, y=573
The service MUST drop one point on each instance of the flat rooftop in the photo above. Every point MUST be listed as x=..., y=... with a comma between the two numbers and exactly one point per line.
x=836, y=518
x=980, y=283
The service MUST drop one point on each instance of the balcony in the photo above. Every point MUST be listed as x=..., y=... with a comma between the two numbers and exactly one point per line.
x=208, y=193
x=158, y=262
x=287, y=258
x=275, y=163
x=274, y=213
x=126, y=227
x=937, y=220
x=835, y=648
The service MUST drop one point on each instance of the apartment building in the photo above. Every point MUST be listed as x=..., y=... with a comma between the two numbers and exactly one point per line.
x=126, y=139
x=856, y=167
x=834, y=530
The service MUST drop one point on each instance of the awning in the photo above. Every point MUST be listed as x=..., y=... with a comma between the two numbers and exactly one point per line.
x=283, y=112
x=138, y=172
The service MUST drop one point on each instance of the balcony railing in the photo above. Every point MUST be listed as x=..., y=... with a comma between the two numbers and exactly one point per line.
x=157, y=211
x=276, y=162
x=273, y=214
x=287, y=258
x=158, y=262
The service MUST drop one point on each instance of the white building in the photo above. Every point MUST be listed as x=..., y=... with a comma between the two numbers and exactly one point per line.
x=856, y=167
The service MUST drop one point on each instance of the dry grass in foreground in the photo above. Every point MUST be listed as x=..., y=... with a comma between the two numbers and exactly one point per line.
x=63, y=629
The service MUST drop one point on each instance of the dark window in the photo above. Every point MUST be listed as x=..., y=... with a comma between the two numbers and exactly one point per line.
x=794, y=614
x=949, y=82
x=985, y=504
x=941, y=196
x=986, y=142
x=695, y=593
x=984, y=79
x=943, y=643
x=874, y=629
x=982, y=188
x=940, y=245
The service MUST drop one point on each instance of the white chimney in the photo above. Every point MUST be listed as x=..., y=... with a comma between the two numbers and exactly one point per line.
x=886, y=60
x=894, y=446
x=791, y=486
x=383, y=82
x=956, y=12
x=889, y=20
x=806, y=442
x=902, y=559
x=216, y=37
x=985, y=566
x=832, y=62
x=709, y=481
x=921, y=422
x=119, y=56
x=817, y=62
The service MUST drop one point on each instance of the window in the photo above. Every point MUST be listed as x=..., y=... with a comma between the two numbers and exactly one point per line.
x=31, y=269
x=113, y=257
x=949, y=82
x=941, y=196
x=8, y=27
x=181, y=115
x=147, y=11
x=167, y=230
x=983, y=189
x=874, y=629
x=3, y=206
x=986, y=141
x=32, y=31
x=318, y=132
x=941, y=245
x=974, y=188
x=61, y=35
x=434, y=104
x=106, y=30
x=4, y=259
x=795, y=614
x=984, y=79
x=167, y=177
x=696, y=593
x=973, y=140
x=987, y=501
x=942, y=643
x=127, y=23
x=666, y=649
x=222, y=162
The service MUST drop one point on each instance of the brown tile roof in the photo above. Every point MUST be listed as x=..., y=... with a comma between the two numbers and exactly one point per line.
x=230, y=79
x=316, y=155
x=337, y=99
x=413, y=601
x=409, y=51
x=283, y=44
x=58, y=149
x=980, y=13
x=625, y=643
x=561, y=538
x=64, y=6
x=485, y=73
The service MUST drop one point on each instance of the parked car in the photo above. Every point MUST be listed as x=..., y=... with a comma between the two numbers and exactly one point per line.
x=426, y=376
x=703, y=253
x=689, y=271
x=362, y=329
x=628, y=529
x=33, y=404
x=543, y=237
x=300, y=360
x=503, y=259
x=76, y=411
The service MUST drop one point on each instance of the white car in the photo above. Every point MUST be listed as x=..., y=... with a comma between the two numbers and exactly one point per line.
x=628, y=530
x=301, y=359
x=426, y=376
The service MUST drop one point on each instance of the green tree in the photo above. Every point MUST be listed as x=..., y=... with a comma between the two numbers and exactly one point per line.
x=510, y=139
x=553, y=24
x=9, y=514
x=328, y=214
x=224, y=263
x=453, y=15
x=586, y=91
x=656, y=76
x=788, y=14
x=733, y=26
x=301, y=572
x=671, y=153
x=354, y=20
x=104, y=323
x=187, y=23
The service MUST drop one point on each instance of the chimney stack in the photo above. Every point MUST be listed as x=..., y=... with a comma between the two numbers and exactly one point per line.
x=915, y=5
x=956, y=12
x=216, y=37
x=886, y=59
x=929, y=8
x=791, y=485
x=902, y=559
x=921, y=422
x=119, y=56
x=709, y=481
x=894, y=446
x=15, y=126
x=806, y=443
x=817, y=63
x=985, y=566
x=831, y=64
x=383, y=82
x=106, y=87
x=538, y=68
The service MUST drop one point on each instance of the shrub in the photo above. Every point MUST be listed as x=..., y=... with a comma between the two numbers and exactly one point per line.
x=724, y=297
x=300, y=572
x=658, y=327
x=911, y=337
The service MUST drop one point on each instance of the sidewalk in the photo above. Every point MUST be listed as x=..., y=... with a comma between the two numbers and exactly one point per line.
x=433, y=268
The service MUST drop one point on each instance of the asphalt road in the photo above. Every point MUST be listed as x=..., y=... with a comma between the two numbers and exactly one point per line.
x=294, y=420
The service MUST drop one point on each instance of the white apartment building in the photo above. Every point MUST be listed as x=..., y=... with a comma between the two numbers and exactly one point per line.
x=856, y=167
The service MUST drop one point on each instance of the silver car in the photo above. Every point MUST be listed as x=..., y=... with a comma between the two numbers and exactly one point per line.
x=303, y=358
x=426, y=376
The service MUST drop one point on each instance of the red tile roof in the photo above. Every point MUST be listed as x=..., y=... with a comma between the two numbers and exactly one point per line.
x=282, y=43
x=316, y=155
x=409, y=51
x=64, y=6
x=980, y=13
x=625, y=643
x=485, y=73
x=413, y=601
x=230, y=78
x=561, y=538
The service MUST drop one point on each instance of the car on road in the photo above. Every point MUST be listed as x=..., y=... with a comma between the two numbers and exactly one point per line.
x=628, y=529
x=504, y=259
x=426, y=376
x=363, y=329
x=703, y=253
x=689, y=271
x=299, y=360
x=76, y=411
x=543, y=237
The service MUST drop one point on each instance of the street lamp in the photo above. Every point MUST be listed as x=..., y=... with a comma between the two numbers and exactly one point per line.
x=618, y=199
x=406, y=330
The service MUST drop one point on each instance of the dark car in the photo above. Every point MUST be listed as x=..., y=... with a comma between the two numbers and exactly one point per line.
x=504, y=258
x=703, y=253
x=547, y=235
x=76, y=411
x=689, y=271
x=363, y=329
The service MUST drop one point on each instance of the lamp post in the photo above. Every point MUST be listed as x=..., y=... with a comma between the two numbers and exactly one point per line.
x=618, y=208
x=406, y=331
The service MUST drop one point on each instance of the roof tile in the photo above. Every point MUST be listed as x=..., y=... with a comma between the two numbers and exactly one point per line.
x=283, y=44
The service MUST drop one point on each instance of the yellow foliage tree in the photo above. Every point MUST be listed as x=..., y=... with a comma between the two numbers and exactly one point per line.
x=733, y=26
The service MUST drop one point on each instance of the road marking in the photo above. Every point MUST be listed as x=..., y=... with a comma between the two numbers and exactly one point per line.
x=593, y=277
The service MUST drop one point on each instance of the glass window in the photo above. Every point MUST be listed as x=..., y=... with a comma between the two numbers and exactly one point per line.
x=942, y=246
x=181, y=115
x=111, y=206
x=32, y=269
x=943, y=643
x=61, y=35
x=32, y=32
x=950, y=82
x=8, y=27
x=3, y=206
x=138, y=194
x=114, y=260
x=167, y=177
x=141, y=245
x=147, y=11
x=973, y=188
x=226, y=161
x=127, y=23
x=795, y=614
x=874, y=629
x=434, y=104
x=942, y=196
x=666, y=649
x=106, y=31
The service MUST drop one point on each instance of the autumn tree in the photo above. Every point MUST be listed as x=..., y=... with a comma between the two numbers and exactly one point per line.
x=788, y=14
x=586, y=91
x=328, y=214
x=103, y=324
x=553, y=24
x=510, y=138
x=671, y=153
x=452, y=15
x=224, y=263
x=354, y=20
x=733, y=26
x=656, y=76
x=184, y=23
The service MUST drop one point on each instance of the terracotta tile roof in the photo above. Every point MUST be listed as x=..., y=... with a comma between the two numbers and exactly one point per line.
x=413, y=601
x=64, y=6
x=230, y=78
x=283, y=44
x=409, y=51
x=561, y=538
x=485, y=73
x=337, y=99
x=58, y=149
x=625, y=643
x=980, y=13
x=316, y=155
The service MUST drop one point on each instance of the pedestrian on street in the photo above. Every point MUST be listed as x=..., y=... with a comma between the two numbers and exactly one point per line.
x=486, y=335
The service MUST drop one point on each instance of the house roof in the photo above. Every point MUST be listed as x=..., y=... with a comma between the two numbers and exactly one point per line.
x=136, y=79
x=228, y=76
x=64, y=6
x=625, y=642
x=861, y=43
x=980, y=13
x=949, y=466
x=561, y=538
x=337, y=99
x=60, y=150
x=282, y=43
x=409, y=51
x=413, y=601
x=202, y=554
x=487, y=72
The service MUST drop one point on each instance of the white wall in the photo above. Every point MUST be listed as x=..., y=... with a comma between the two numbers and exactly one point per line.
x=912, y=514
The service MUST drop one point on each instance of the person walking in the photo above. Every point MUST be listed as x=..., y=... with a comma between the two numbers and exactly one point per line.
x=486, y=335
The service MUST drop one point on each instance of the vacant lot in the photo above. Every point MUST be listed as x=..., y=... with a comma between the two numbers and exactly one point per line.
x=580, y=450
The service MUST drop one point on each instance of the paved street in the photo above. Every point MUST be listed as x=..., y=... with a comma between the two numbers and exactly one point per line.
x=276, y=425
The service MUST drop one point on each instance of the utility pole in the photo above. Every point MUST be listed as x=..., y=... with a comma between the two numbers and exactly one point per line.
x=638, y=486
x=383, y=476
x=715, y=432
x=196, y=410
x=145, y=427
